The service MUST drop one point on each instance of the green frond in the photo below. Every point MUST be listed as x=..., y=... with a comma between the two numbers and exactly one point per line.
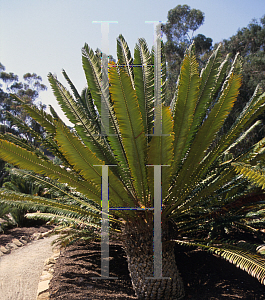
x=46, y=141
x=84, y=127
x=131, y=127
x=190, y=172
x=160, y=152
x=242, y=137
x=125, y=59
x=209, y=77
x=87, y=103
x=93, y=74
x=85, y=161
x=252, y=173
x=58, y=219
x=254, y=154
x=55, y=188
x=144, y=83
x=26, y=201
x=92, y=69
x=80, y=157
x=222, y=72
x=30, y=161
x=253, y=264
x=216, y=117
x=22, y=125
x=73, y=88
x=188, y=90
x=22, y=143
x=43, y=118
x=251, y=111
x=204, y=190
x=69, y=235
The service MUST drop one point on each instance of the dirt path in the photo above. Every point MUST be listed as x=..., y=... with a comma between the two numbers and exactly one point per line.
x=21, y=269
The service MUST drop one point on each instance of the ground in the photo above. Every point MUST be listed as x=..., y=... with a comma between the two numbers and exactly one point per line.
x=205, y=276
x=18, y=232
x=20, y=270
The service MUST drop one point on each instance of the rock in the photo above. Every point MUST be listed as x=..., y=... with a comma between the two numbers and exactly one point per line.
x=47, y=276
x=45, y=234
x=44, y=296
x=23, y=241
x=17, y=242
x=43, y=286
x=5, y=250
x=48, y=268
x=1, y=253
x=50, y=261
x=11, y=246
x=36, y=236
x=25, y=238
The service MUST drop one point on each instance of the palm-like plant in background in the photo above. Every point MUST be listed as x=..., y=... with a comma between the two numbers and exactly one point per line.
x=199, y=185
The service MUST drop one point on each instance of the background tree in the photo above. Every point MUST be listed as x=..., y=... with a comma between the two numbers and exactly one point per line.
x=28, y=91
x=249, y=42
x=179, y=30
x=11, y=112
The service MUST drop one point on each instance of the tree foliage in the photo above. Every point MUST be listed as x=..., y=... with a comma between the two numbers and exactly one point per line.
x=249, y=42
x=179, y=30
x=28, y=90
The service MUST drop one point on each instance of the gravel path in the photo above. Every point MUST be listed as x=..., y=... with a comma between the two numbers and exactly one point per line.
x=21, y=269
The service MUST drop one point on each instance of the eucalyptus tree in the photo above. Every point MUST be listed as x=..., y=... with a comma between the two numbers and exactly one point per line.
x=199, y=176
x=249, y=41
x=182, y=23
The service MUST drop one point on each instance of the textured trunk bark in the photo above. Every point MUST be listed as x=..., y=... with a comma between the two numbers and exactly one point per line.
x=138, y=244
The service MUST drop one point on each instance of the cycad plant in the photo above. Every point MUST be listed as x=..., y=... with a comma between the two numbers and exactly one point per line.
x=198, y=174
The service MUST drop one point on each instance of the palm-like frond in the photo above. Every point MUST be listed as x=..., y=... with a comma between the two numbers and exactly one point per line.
x=184, y=109
x=253, y=264
x=76, y=114
x=30, y=161
x=252, y=173
x=144, y=83
x=43, y=118
x=190, y=174
x=84, y=161
x=26, y=201
x=131, y=126
x=160, y=152
x=125, y=59
x=92, y=70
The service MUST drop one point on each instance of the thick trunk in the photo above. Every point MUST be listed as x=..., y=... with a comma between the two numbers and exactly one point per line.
x=138, y=244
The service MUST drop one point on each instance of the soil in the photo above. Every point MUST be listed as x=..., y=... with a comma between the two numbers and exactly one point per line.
x=205, y=276
x=18, y=232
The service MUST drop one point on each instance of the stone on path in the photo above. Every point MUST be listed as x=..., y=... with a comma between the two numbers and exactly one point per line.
x=4, y=250
x=17, y=242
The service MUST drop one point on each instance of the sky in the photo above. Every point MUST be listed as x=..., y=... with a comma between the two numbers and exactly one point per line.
x=42, y=36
